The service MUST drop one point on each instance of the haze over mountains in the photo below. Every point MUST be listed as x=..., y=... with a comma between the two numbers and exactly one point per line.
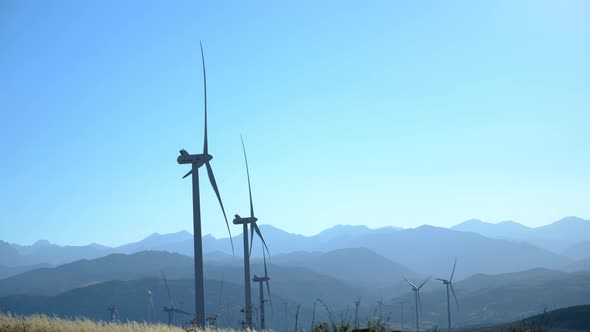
x=561, y=236
x=505, y=271
x=504, y=247
x=87, y=287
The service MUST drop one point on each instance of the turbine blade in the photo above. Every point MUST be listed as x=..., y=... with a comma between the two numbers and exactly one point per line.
x=443, y=280
x=248, y=174
x=214, y=185
x=187, y=174
x=205, y=145
x=453, y=273
x=454, y=295
x=167, y=288
x=409, y=282
x=255, y=226
x=182, y=312
x=268, y=290
x=265, y=270
x=251, y=238
x=425, y=281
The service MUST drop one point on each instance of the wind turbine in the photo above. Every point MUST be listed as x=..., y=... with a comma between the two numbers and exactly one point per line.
x=357, y=303
x=313, y=315
x=260, y=281
x=380, y=303
x=253, y=228
x=151, y=305
x=196, y=161
x=171, y=309
x=114, y=312
x=449, y=284
x=416, y=291
x=297, y=317
x=213, y=318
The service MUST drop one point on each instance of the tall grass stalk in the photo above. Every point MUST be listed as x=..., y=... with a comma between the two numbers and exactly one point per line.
x=42, y=323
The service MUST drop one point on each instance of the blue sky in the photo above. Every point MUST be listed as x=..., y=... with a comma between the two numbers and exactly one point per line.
x=377, y=113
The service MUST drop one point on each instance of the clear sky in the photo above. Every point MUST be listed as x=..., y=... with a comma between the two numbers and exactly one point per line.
x=353, y=112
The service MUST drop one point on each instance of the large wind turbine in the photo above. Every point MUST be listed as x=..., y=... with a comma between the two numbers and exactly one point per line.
x=171, y=309
x=261, y=280
x=253, y=228
x=449, y=284
x=416, y=291
x=196, y=161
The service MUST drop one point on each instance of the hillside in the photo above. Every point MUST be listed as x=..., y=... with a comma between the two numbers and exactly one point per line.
x=571, y=319
x=52, y=281
x=87, y=287
x=350, y=264
x=490, y=299
x=148, y=264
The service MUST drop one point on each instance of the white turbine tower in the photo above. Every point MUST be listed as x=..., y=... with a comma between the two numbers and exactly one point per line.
x=416, y=291
x=449, y=284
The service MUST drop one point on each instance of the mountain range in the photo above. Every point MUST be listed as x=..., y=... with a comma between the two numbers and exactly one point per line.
x=561, y=236
x=504, y=247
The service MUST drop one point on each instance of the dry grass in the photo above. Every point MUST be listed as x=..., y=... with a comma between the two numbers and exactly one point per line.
x=42, y=323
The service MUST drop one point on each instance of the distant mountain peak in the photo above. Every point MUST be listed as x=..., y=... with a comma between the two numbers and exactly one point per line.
x=338, y=230
x=208, y=236
x=42, y=244
x=471, y=222
x=180, y=234
x=570, y=219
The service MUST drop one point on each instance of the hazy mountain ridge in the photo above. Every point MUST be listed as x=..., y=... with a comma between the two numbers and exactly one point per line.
x=148, y=264
x=579, y=265
x=557, y=237
x=484, y=299
x=463, y=241
x=52, y=281
x=348, y=264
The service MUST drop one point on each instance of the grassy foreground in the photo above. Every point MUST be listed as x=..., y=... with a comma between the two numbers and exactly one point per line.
x=42, y=323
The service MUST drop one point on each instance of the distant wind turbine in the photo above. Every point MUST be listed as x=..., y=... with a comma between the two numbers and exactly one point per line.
x=171, y=309
x=297, y=317
x=196, y=161
x=416, y=291
x=151, y=305
x=357, y=303
x=313, y=315
x=260, y=281
x=449, y=284
x=114, y=313
x=253, y=228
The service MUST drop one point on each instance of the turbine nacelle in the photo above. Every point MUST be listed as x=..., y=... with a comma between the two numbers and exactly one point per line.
x=444, y=281
x=260, y=279
x=199, y=159
x=247, y=220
